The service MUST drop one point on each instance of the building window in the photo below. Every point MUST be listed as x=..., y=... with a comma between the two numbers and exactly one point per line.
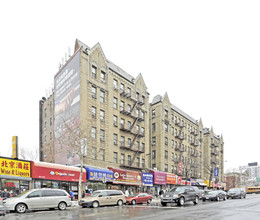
x=143, y=147
x=143, y=163
x=166, y=127
x=153, y=113
x=166, y=141
x=138, y=145
x=122, y=87
x=143, y=99
x=122, y=106
x=115, y=84
x=128, y=91
x=129, y=160
x=50, y=121
x=153, y=165
x=103, y=76
x=115, y=139
x=129, y=125
x=166, y=113
x=102, y=135
x=102, y=154
x=122, y=141
x=153, y=154
x=115, y=157
x=122, y=159
x=102, y=115
x=138, y=161
x=94, y=153
x=94, y=92
x=166, y=154
x=93, y=112
x=172, y=156
x=165, y=167
x=94, y=72
x=153, y=141
x=153, y=127
x=115, y=120
x=129, y=142
x=128, y=108
x=93, y=132
x=122, y=123
x=115, y=103
x=137, y=96
x=102, y=96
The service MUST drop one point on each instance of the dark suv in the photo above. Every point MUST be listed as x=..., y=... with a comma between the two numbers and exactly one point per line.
x=236, y=193
x=181, y=195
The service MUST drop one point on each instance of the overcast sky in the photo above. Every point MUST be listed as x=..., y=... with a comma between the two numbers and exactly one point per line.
x=204, y=54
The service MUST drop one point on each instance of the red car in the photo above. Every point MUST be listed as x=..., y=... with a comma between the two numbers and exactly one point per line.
x=139, y=198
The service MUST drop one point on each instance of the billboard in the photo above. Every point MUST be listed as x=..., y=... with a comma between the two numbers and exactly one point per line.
x=67, y=101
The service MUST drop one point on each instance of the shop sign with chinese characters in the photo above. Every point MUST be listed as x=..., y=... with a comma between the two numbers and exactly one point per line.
x=15, y=168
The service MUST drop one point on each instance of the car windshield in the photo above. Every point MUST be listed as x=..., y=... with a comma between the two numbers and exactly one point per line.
x=212, y=192
x=234, y=190
x=23, y=194
x=94, y=194
x=133, y=195
x=178, y=190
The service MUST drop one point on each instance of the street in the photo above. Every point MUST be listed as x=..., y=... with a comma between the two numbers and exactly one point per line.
x=232, y=209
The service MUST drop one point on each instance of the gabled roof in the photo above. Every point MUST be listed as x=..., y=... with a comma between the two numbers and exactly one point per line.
x=159, y=98
x=111, y=65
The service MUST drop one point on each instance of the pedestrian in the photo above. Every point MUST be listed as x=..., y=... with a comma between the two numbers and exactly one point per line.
x=161, y=192
x=71, y=195
x=126, y=193
x=6, y=194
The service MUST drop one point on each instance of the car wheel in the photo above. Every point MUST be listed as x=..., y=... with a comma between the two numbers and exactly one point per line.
x=133, y=202
x=62, y=206
x=163, y=203
x=20, y=208
x=149, y=201
x=95, y=204
x=244, y=196
x=120, y=202
x=196, y=200
x=217, y=199
x=203, y=200
x=241, y=197
x=181, y=201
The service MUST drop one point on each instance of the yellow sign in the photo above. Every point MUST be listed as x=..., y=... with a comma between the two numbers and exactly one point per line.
x=15, y=168
x=14, y=147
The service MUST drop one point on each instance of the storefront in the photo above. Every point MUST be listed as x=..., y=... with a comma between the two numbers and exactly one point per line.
x=159, y=181
x=98, y=179
x=126, y=180
x=171, y=180
x=48, y=175
x=147, y=182
x=15, y=175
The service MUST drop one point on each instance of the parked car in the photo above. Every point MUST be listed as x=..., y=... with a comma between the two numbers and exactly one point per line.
x=139, y=198
x=2, y=208
x=181, y=195
x=102, y=198
x=236, y=193
x=214, y=195
x=38, y=199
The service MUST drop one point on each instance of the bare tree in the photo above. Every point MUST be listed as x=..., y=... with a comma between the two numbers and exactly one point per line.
x=29, y=154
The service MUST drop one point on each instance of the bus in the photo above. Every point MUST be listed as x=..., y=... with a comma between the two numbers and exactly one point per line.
x=253, y=189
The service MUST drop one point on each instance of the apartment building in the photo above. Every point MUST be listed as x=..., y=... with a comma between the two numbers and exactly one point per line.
x=108, y=105
x=176, y=139
x=213, y=156
x=46, y=129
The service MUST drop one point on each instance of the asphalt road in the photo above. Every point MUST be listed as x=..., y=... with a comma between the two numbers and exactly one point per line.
x=235, y=209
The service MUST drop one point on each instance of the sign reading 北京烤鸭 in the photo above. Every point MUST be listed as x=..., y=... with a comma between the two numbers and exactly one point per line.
x=15, y=168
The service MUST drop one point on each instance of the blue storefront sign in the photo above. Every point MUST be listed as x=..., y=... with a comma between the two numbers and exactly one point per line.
x=99, y=174
x=147, y=179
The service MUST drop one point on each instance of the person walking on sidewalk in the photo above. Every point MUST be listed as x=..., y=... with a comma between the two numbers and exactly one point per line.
x=71, y=195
